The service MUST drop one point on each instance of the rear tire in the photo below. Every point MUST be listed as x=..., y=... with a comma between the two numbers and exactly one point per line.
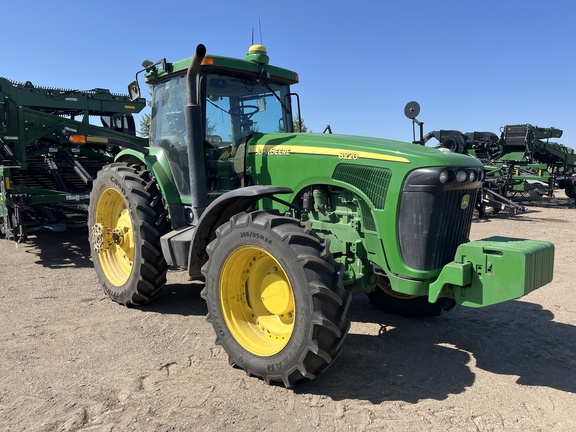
x=274, y=297
x=126, y=218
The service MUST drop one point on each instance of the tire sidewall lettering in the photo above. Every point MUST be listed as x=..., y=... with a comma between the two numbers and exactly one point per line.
x=248, y=234
x=120, y=186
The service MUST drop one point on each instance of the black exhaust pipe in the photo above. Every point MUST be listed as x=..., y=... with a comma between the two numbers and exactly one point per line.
x=195, y=137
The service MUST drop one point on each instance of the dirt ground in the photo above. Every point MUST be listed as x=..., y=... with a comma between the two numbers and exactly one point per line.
x=72, y=360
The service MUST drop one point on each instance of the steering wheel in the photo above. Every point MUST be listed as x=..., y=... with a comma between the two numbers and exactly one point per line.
x=239, y=111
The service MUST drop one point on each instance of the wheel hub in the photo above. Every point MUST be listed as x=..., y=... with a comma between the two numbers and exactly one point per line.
x=117, y=236
x=276, y=294
x=97, y=236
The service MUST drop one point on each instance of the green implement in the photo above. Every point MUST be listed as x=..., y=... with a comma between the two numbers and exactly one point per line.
x=46, y=178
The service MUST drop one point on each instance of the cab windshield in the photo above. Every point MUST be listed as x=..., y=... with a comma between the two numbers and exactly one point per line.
x=235, y=107
x=239, y=106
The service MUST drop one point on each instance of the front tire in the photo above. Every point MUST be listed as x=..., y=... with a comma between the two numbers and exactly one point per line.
x=274, y=297
x=395, y=303
x=126, y=218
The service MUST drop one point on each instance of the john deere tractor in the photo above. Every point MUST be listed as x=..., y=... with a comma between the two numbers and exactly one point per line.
x=281, y=226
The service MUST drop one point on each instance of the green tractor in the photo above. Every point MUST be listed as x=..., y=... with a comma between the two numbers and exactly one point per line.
x=281, y=226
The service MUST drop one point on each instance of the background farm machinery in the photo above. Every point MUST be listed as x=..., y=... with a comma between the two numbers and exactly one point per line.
x=45, y=178
x=521, y=162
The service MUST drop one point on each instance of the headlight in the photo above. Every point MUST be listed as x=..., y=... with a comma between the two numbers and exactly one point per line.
x=444, y=177
x=461, y=176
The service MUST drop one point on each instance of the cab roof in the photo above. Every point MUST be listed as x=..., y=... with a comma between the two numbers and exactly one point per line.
x=216, y=62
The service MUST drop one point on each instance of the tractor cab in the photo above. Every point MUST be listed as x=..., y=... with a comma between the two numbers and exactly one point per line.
x=238, y=99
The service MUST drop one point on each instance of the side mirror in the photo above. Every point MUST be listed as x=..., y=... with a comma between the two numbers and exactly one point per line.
x=134, y=90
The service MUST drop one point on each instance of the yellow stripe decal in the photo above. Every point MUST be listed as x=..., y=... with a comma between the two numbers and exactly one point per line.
x=286, y=150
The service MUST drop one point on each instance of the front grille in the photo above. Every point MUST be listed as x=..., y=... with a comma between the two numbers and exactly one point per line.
x=432, y=224
x=373, y=181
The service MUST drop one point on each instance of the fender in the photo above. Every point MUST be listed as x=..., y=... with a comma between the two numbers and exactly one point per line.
x=157, y=162
x=219, y=212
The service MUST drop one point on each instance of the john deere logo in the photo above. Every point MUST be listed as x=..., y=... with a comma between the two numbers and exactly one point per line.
x=465, y=202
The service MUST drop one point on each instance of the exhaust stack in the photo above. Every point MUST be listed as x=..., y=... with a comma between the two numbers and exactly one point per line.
x=195, y=136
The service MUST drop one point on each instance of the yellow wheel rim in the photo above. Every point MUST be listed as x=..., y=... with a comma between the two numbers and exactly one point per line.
x=113, y=237
x=257, y=301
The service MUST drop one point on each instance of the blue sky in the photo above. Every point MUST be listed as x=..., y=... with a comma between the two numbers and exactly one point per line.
x=472, y=65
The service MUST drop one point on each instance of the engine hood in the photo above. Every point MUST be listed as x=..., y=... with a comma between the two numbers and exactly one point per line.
x=350, y=147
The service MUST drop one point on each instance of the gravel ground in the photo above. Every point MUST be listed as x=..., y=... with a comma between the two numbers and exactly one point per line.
x=72, y=360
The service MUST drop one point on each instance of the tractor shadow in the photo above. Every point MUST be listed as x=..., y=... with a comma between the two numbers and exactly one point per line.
x=404, y=359
x=56, y=250
x=71, y=249
x=178, y=298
